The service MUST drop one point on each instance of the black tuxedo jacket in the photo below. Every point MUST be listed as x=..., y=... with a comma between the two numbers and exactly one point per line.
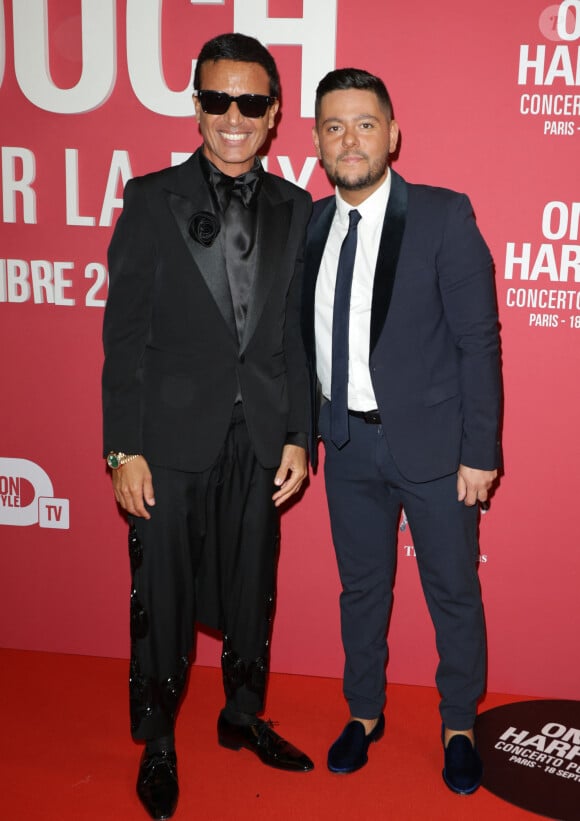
x=434, y=349
x=172, y=355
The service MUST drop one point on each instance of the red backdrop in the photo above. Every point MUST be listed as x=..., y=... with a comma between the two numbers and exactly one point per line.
x=488, y=100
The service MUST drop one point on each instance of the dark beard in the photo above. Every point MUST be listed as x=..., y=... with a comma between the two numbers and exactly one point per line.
x=372, y=176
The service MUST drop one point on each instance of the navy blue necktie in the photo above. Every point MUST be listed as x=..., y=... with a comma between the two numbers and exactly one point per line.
x=340, y=320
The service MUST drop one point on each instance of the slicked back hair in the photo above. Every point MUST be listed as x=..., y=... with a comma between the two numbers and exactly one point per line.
x=243, y=49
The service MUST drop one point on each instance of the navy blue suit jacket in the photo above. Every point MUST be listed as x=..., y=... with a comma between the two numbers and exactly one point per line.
x=434, y=348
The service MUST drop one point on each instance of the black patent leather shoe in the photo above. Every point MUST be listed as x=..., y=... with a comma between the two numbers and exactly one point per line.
x=261, y=739
x=157, y=785
x=350, y=750
x=463, y=769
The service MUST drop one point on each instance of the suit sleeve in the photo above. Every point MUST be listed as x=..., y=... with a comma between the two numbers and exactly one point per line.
x=297, y=369
x=132, y=259
x=466, y=280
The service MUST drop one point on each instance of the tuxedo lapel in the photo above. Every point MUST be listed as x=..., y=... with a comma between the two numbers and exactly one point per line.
x=316, y=237
x=274, y=219
x=194, y=197
x=388, y=257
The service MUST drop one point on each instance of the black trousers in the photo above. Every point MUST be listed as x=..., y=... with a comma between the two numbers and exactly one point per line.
x=365, y=493
x=208, y=553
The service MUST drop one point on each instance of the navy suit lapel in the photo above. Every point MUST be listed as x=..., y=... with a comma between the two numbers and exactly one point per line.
x=274, y=220
x=194, y=197
x=388, y=257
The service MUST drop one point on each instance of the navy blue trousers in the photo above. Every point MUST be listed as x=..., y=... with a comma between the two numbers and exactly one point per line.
x=365, y=493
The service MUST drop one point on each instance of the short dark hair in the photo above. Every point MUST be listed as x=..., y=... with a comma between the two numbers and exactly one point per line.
x=342, y=79
x=243, y=49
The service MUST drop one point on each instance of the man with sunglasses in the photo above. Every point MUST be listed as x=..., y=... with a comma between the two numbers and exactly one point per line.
x=205, y=396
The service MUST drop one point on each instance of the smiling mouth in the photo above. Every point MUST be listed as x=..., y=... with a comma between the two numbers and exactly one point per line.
x=233, y=138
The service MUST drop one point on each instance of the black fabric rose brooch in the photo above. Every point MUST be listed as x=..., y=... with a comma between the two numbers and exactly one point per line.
x=204, y=228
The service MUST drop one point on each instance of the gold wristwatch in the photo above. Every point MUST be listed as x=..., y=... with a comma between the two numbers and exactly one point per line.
x=115, y=460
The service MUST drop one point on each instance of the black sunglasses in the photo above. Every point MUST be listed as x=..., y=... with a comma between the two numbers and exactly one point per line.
x=250, y=105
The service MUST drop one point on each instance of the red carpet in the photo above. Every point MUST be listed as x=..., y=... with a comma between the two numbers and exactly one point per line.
x=66, y=752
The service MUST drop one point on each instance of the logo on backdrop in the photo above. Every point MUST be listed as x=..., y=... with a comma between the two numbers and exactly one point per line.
x=531, y=755
x=546, y=276
x=409, y=549
x=543, y=277
x=550, y=72
x=27, y=497
x=314, y=32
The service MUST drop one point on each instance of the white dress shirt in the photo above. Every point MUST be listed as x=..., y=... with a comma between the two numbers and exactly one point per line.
x=361, y=396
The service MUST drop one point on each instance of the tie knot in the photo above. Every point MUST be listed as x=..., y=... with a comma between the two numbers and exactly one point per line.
x=247, y=185
x=244, y=188
x=353, y=219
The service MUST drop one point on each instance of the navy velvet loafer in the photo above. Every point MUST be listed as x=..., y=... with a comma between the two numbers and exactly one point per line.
x=350, y=750
x=463, y=769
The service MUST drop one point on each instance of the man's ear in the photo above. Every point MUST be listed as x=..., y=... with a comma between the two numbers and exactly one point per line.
x=273, y=110
x=316, y=141
x=393, y=136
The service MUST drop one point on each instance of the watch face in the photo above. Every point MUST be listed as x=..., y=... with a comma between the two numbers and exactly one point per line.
x=113, y=461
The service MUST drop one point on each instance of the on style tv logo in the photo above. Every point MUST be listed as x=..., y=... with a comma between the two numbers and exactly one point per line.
x=27, y=496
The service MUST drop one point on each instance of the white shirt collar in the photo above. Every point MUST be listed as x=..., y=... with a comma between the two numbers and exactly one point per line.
x=372, y=209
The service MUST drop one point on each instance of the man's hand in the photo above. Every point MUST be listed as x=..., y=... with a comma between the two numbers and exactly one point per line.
x=473, y=485
x=292, y=472
x=133, y=487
